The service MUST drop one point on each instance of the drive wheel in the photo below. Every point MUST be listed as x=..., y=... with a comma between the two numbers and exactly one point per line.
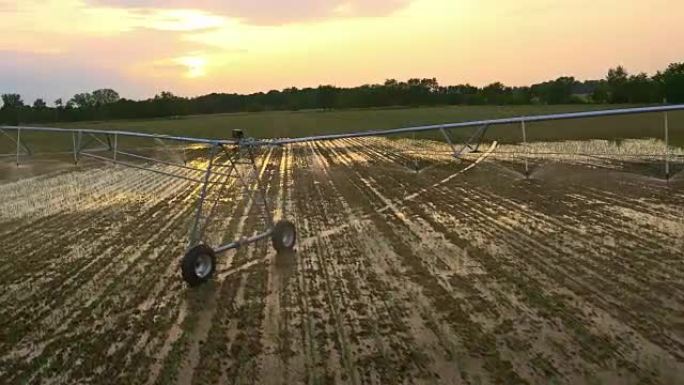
x=198, y=265
x=284, y=236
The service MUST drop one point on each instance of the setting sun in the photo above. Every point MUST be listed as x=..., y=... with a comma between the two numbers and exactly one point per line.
x=195, y=66
x=185, y=20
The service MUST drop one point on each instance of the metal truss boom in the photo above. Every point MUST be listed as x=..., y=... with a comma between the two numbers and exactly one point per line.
x=491, y=122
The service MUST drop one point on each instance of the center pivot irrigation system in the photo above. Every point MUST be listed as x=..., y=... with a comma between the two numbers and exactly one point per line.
x=235, y=160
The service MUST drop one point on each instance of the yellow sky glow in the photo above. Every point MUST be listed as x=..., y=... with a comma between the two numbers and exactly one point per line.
x=141, y=49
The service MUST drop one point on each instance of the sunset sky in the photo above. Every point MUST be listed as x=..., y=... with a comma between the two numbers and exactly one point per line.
x=55, y=48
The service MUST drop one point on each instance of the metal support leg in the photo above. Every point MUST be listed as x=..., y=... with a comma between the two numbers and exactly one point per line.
x=482, y=131
x=18, y=144
x=200, y=203
x=22, y=142
x=448, y=139
x=476, y=136
x=73, y=140
x=415, y=158
x=524, y=137
x=116, y=146
x=262, y=190
x=225, y=182
x=667, y=148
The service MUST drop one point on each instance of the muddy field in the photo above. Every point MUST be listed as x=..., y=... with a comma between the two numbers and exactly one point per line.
x=462, y=273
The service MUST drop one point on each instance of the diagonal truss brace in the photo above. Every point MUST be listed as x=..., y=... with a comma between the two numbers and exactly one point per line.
x=249, y=182
x=472, y=144
x=20, y=143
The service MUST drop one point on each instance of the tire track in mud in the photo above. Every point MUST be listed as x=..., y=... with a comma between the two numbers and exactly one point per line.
x=383, y=321
x=396, y=322
x=575, y=249
x=274, y=360
x=130, y=348
x=313, y=367
x=71, y=272
x=364, y=312
x=199, y=322
x=174, y=253
x=452, y=194
x=71, y=283
x=548, y=226
x=532, y=248
x=385, y=289
x=66, y=244
x=558, y=276
x=39, y=238
x=637, y=275
x=90, y=304
x=244, y=336
x=383, y=328
x=241, y=328
x=467, y=330
x=319, y=284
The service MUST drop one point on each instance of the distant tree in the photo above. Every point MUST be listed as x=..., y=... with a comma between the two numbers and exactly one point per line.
x=601, y=94
x=39, y=104
x=391, y=83
x=495, y=93
x=12, y=101
x=617, y=79
x=672, y=83
x=431, y=85
x=82, y=100
x=165, y=95
x=327, y=96
x=521, y=95
x=104, y=96
x=11, y=104
x=642, y=89
x=617, y=87
x=555, y=92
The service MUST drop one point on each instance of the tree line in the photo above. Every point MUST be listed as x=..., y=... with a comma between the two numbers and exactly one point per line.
x=617, y=87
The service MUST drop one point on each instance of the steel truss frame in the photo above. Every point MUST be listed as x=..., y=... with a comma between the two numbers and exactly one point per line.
x=229, y=162
x=475, y=139
x=242, y=153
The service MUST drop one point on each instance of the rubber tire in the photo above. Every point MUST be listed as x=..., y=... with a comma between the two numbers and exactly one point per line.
x=279, y=230
x=188, y=265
